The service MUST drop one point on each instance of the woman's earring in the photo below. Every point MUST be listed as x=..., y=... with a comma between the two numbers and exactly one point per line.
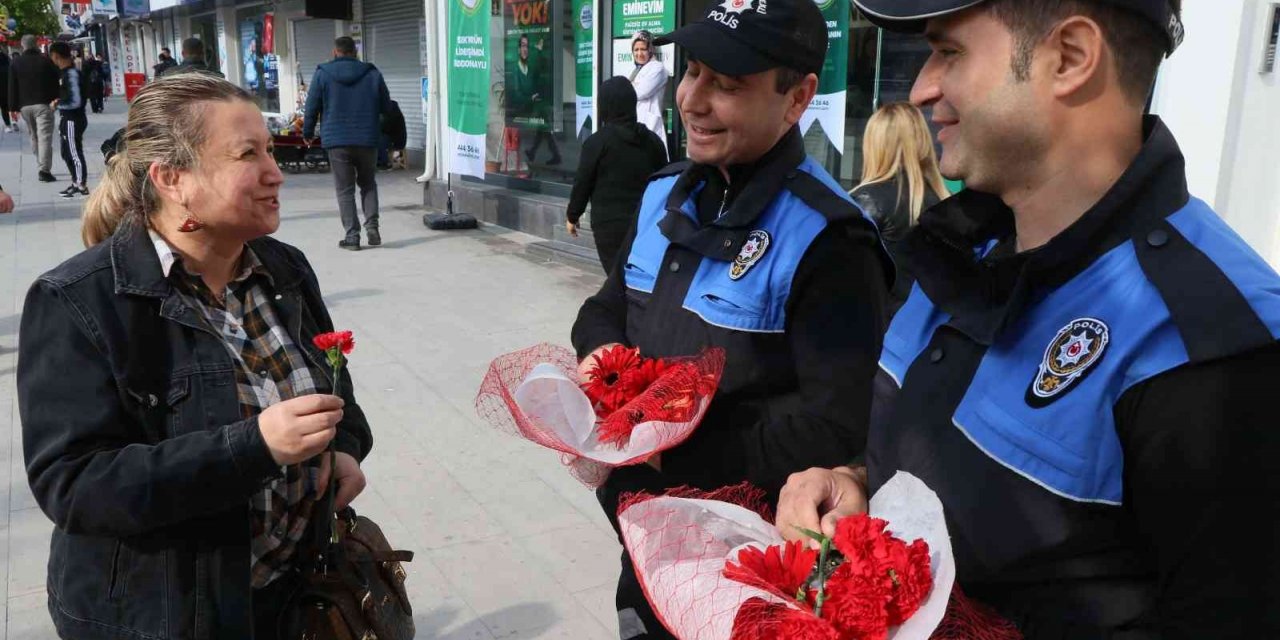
x=190, y=225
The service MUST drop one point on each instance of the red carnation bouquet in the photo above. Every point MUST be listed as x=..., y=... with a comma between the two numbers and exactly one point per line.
x=628, y=409
x=715, y=568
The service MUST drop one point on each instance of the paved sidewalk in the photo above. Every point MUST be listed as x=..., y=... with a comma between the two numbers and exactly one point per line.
x=509, y=546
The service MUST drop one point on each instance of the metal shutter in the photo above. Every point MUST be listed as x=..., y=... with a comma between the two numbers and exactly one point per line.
x=313, y=45
x=391, y=41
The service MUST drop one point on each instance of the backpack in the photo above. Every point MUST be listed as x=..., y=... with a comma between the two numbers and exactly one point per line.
x=109, y=146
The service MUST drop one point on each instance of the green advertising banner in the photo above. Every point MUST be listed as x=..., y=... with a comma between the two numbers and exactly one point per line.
x=468, y=85
x=655, y=16
x=529, y=58
x=584, y=46
x=827, y=107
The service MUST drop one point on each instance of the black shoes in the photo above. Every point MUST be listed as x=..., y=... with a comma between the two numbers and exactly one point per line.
x=73, y=191
x=375, y=238
x=45, y=176
x=349, y=245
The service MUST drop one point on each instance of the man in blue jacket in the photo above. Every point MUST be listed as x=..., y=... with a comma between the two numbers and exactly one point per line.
x=350, y=97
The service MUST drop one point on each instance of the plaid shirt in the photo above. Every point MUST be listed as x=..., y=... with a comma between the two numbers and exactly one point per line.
x=270, y=368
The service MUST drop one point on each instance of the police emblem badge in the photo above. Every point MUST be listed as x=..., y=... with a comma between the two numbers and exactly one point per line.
x=1069, y=357
x=752, y=250
x=736, y=6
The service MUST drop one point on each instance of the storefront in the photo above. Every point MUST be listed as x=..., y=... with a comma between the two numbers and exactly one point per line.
x=394, y=36
x=526, y=125
x=312, y=46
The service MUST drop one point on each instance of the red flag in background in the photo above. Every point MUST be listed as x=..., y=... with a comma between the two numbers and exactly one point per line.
x=269, y=33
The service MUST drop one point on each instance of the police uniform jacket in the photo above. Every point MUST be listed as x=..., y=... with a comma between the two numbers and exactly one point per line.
x=1096, y=414
x=784, y=273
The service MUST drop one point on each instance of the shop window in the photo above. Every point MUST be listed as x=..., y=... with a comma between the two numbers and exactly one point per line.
x=260, y=66
x=882, y=68
x=532, y=137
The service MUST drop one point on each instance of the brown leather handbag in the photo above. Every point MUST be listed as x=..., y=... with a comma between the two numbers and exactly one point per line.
x=352, y=585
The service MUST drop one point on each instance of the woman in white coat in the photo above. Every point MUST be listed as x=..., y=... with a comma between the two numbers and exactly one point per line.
x=649, y=79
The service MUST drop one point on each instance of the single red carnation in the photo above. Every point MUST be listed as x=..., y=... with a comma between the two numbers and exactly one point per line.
x=761, y=620
x=781, y=568
x=797, y=624
x=857, y=599
x=604, y=379
x=900, y=569
x=341, y=340
x=858, y=535
x=912, y=583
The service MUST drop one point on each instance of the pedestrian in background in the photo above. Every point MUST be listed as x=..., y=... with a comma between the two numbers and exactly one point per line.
x=182, y=491
x=33, y=86
x=649, y=77
x=900, y=179
x=193, y=60
x=613, y=171
x=348, y=98
x=166, y=62
x=95, y=82
x=395, y=136
x=71, y=126
x=9, y=124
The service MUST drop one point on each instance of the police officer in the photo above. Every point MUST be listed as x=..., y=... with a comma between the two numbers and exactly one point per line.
x=1086, y=370
x=749, y=246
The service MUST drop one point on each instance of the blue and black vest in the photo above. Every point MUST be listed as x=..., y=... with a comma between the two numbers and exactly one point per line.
x=732, y=282
x=999, y=383
x=750, y=292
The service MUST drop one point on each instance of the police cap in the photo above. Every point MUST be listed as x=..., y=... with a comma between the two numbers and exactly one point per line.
x=742, y=37
x=911, y=15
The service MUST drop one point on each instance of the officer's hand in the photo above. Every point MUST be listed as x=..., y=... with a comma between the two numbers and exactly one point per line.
x=571, y=228
x=585, y=366
x=817, y=498
x=299, y=428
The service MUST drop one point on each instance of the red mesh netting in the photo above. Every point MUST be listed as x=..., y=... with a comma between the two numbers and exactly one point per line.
x=971, y=620
x=661, y=418
x=679, y=543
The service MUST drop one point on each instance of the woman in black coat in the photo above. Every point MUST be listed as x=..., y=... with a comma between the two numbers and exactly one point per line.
x=615, y=166
x=4, y=91
x=174, y=409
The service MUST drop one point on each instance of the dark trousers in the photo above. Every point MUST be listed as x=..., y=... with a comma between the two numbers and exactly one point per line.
x=71, y=131
x=636, y=620
x=355, y=166
x=608, y=242
x=95, y=100
x=4, y=109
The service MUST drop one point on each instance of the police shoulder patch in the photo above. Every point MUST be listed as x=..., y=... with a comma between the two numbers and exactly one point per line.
x=1069, y=357
x=752, y=250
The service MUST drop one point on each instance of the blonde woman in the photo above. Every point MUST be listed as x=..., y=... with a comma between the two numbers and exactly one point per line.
x=900, y=178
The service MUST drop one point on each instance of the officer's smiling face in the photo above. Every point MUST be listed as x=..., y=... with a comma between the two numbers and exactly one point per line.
x=736, y=119
x=994, y=127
